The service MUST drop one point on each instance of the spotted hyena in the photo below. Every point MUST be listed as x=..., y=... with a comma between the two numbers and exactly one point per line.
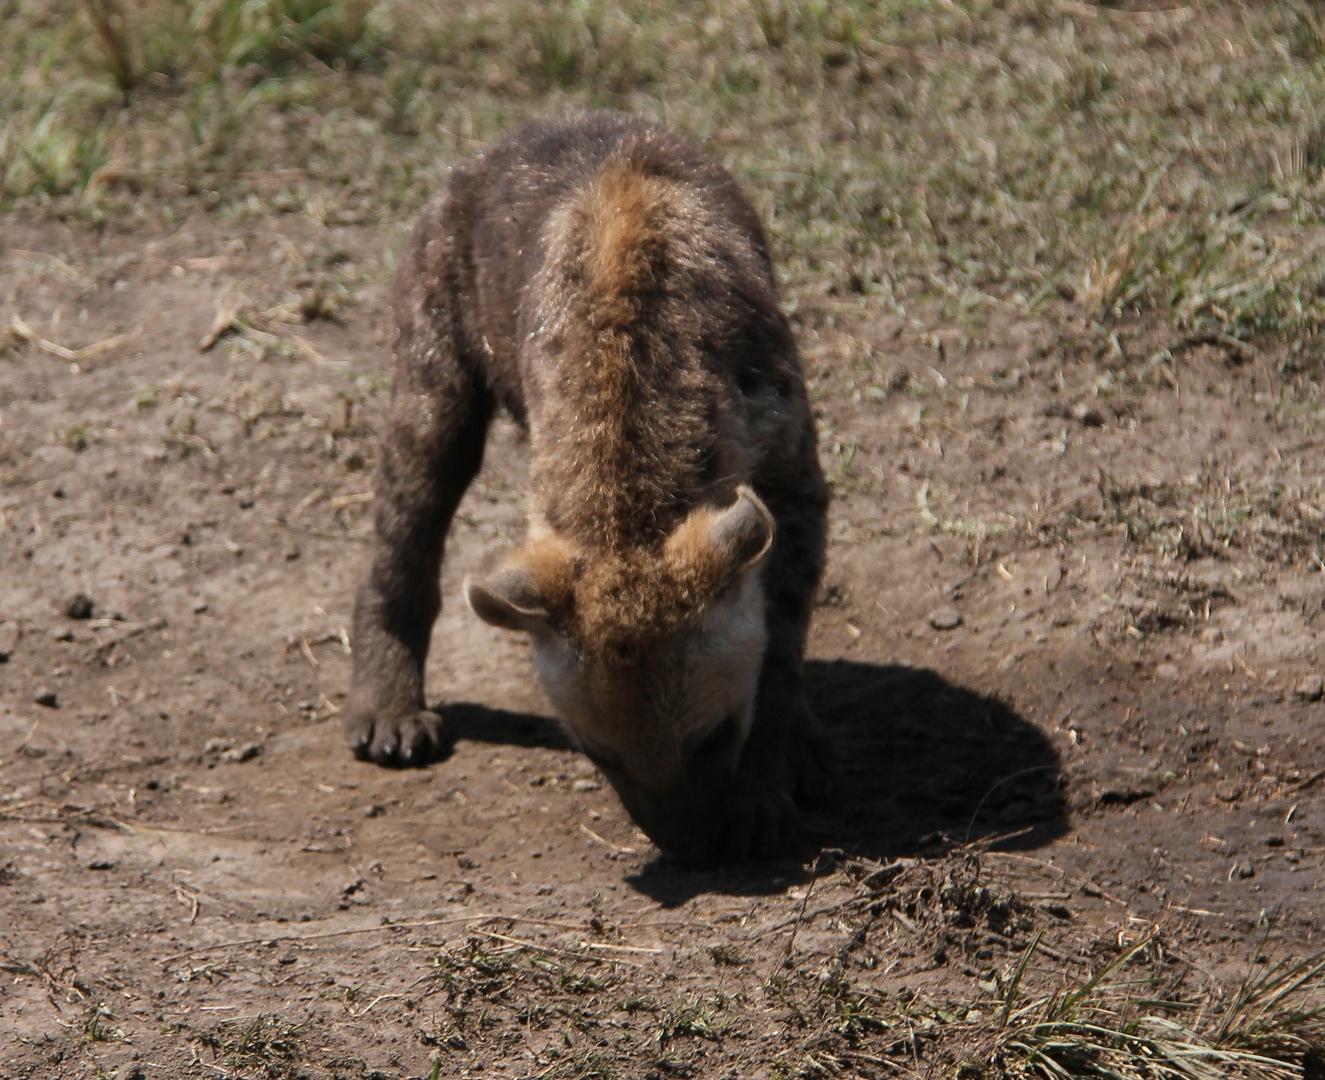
x=610, y=286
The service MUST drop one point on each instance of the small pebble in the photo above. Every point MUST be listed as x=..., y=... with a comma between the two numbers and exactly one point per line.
x=586, y=785
x=47, y=697
x=1311, y=688
x=946, y=618
x=129, y=1071
x=1087, y=415
x=242, y=753
x=80, y=607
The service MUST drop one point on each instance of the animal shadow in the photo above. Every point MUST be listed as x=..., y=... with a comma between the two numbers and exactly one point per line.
x=480, y=723
x=922, y=765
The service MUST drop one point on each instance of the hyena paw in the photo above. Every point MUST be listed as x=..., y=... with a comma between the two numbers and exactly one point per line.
x=404, y=738
x=759, y=825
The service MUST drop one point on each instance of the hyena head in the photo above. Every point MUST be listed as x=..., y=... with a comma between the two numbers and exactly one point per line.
x=650, y=658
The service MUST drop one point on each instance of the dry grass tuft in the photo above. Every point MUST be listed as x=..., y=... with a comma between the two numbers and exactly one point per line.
x=1111, y=1026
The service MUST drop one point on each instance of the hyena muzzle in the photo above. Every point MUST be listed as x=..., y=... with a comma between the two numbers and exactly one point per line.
x=610, y=286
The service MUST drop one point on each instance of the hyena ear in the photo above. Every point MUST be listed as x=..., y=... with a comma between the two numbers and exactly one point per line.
x=525, y=593
x=723, y=545
x=509, y=599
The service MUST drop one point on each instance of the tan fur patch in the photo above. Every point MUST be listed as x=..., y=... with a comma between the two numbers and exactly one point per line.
x=637, y=419
x=625, y=211
x=550, y=561
x=691, y=547
x=618, y=606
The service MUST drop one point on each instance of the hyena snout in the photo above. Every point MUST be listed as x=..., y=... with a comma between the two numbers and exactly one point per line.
x=713, y=816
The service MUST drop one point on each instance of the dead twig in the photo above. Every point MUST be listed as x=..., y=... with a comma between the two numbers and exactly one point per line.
x=606, y=843
x=23, y=331
x=540, y=947
x=26, y=738
x=103, y=648
x=1302, y=785
x=186, y=895
x=476, y=917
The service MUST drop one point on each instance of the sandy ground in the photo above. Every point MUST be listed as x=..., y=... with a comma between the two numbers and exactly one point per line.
x=1046, y=727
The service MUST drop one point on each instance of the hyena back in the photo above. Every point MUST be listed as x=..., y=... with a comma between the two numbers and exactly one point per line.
x=610, y=286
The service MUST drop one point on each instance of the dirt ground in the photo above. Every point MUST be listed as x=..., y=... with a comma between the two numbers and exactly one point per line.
x=1063, y=708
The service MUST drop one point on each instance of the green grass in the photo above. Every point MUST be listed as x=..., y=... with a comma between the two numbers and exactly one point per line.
x=903, y=153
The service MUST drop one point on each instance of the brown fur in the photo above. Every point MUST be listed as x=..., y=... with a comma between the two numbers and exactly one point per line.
x=610, y=285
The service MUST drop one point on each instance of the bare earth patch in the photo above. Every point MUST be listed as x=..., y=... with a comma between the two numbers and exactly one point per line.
x=1068, y=643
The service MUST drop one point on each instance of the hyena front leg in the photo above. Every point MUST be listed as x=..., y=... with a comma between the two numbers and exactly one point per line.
x=430, y=451
x=787, y=758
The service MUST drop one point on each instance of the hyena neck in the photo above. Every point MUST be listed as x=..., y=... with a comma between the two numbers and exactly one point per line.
x=635, y=422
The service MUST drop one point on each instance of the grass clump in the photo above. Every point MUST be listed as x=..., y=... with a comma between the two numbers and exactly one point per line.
x=1113, y=1027
x=1240, y=267
x=263, y=1045
x=1001, y=152
x=1215, y=511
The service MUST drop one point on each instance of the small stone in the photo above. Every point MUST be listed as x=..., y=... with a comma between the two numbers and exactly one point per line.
x=129, y=1071
x=465, y=862
x=374, y=811
x=9, y=635
x=1087, y=415
x=586, y=785
x=1245, y=870
x=101, y=864
x=48, y=698
x=945, y=618
x=1228, y=792
x=242, y=753
x=1167, y=671
x=1311, y=688
x=80, y=607
x=545, y=890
